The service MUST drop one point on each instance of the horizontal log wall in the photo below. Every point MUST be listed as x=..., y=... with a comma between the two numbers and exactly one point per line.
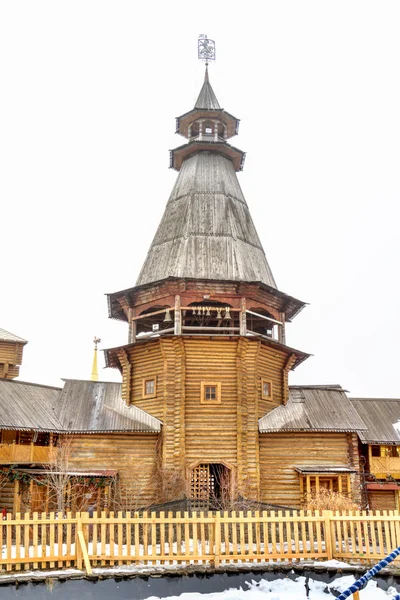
x=280, y=452
x=270, y=366
x=10, y=358
x=147, y=361
x=7, y=496
x=133, y=456
x=211, y=430
x=382, y=500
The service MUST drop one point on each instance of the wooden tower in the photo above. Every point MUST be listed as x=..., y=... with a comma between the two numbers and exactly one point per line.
x=11, y=349
x=206, y=352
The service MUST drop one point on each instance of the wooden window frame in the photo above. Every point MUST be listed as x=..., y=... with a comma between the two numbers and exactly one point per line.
x=145, y=380
x=204, y=385
x=271, y=394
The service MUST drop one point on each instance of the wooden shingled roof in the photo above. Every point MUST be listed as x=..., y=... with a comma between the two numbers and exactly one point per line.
x=380, y=416
x=207, y=231
x=79, y=407
x=6, y=336
x=28, y=406
x=207, y=98
x=314, y=408
x=96, y=406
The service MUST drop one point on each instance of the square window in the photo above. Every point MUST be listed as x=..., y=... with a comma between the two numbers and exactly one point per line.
x=149, y=387
x=266, y=389
x=210, y=392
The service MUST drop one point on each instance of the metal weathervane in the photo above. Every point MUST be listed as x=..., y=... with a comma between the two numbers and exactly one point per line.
x=205, y=48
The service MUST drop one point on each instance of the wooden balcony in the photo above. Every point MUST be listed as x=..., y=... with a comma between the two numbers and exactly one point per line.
x=23, y=454
x=382, y=466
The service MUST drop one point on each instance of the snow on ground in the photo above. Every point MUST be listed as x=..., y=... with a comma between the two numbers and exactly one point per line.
x=286, y=589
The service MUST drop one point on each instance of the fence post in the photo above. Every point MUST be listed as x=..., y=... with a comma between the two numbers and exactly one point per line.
x=328, y=514
x=78, y=548
x=217, y=539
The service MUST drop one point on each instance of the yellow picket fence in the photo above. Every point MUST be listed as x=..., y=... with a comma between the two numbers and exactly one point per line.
x=46, y=541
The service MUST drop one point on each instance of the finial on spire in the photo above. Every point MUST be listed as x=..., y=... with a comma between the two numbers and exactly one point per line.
x=95, y=371
x=205, y=49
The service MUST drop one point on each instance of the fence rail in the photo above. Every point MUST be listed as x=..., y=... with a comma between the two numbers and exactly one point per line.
x=56, y=540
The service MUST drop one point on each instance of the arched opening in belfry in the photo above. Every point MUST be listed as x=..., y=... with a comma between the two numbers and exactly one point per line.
x=261, y=321
x=211, y=485
x=211, y=316
x=154, y=319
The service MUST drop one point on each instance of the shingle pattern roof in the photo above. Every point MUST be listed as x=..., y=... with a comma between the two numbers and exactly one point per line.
x=313, y=409
x=93, y=406
x=6, y=336
x=81, y=406
x=380, y=415
x=207, y=231
x=27, y=406
x=207, y=98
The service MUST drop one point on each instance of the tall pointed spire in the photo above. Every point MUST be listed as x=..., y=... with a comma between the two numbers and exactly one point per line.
x=207, y=231
x=207, y=98
x=95, y=370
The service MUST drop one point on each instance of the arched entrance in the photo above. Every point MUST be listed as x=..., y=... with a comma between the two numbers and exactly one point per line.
x=211, y=485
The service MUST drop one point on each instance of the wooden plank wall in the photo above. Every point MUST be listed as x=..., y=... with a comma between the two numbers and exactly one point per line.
x=132, y=455
x=279, y=452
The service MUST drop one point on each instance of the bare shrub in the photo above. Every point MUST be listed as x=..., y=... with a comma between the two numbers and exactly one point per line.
x=328, y=500
x=169, y=485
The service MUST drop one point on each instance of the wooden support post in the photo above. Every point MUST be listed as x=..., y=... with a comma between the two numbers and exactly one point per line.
x=178, y=316
x=285, y=374
x=348, y=486
x=17, y=498
x=308, y=487
x=31, y=452
x=282, y=330
x=132, y=326
x=317, y=484
x=340, y=484
x=243, y=318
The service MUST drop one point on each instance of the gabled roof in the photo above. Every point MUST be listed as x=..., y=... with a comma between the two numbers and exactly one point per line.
x=207, y=99
x=28, y=406
x=81, y=406
x=96, y=406
x=6, y=336
x=313, y=408
x=380, y=415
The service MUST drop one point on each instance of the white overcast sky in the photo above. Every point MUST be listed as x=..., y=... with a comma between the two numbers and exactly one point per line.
x=89, y=95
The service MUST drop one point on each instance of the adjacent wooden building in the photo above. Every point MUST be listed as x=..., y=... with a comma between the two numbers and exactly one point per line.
x=11, y=349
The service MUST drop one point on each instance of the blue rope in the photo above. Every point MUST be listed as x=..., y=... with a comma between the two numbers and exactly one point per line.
x=360, y=582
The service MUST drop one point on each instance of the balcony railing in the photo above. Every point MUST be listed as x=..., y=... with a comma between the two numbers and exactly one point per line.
x=381, y=466
x=23, y=454
x=206, y=320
